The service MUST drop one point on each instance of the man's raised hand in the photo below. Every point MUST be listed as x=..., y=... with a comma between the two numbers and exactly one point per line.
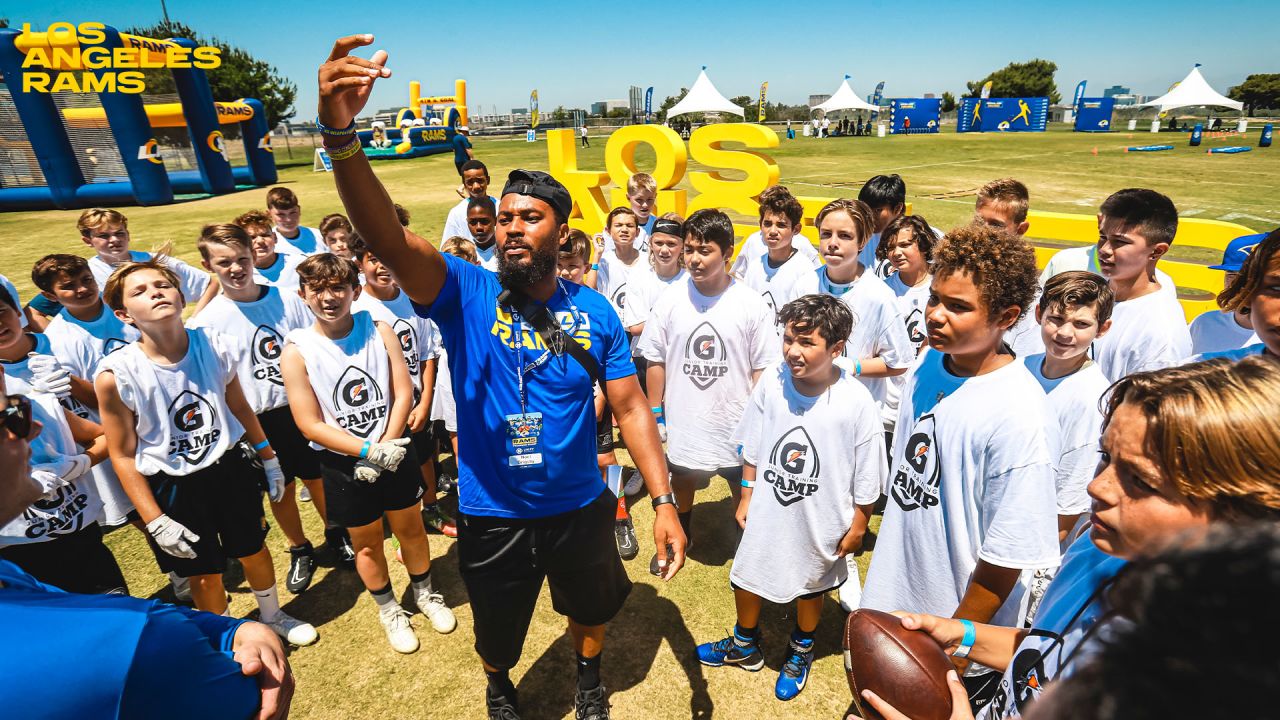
x=346, y=80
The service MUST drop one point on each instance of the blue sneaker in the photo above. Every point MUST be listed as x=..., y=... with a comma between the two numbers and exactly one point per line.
x=733, y=650
x=795, y=671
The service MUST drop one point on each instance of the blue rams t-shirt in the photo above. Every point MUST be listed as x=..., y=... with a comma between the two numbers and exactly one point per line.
x=478, y=336
x=460, y=146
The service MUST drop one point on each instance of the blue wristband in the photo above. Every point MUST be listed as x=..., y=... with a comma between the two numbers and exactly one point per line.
x=264, y=444
x=657, y=410
x=966, y=643
x=595, y=266
x=747, y=483
x=364, y=451
x=857, y=368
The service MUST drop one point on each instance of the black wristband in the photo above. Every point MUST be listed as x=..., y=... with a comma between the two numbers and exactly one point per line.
x=668, y=499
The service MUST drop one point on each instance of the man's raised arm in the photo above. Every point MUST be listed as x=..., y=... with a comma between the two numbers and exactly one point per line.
x=345, y=83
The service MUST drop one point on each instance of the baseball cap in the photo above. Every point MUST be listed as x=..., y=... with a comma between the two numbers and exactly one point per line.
x=1237, y=252
x=542, y=186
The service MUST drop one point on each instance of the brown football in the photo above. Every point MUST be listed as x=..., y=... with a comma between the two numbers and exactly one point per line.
x=904, y=667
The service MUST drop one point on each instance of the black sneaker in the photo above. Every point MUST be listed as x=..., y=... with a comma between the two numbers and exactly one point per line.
x=302, y=565
x=624, y=533
x=339, y=543
x=591, y=704
x=502, y=707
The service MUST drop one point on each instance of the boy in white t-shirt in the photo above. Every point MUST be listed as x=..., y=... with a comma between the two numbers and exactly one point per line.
x=1149, y=328
x=286, y=214
x=617, y=265
x=1219, y=330
x=642, y=195
x=107, y=232
x=482, y=220
x=350, y=393
x=772, y=273
x=277, y=269
x=475, y=180
x=707, y=340
x=258, y=317
x=1003, y=204
x=878, y=348
x=80, y=336
x=811, y=437
x=971, y=491
x=335, y=231
x=886, y=195
x=176, y=418
x=907, y=244
x=666, y=258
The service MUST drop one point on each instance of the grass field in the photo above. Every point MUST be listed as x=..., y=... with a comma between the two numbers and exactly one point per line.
x=353, y=673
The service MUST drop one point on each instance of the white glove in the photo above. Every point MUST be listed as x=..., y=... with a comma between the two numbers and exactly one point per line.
x=662, y=430
x=50, y=482
x=173, y=537
x=48, y=375
x=387, y=455
x=275, y=479
x=70, y=467
x=366, y=471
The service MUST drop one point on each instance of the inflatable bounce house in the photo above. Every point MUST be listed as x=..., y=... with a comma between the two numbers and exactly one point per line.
x=425, y=127
x=81, y=149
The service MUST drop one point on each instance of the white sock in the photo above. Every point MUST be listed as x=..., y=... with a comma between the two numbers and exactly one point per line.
x=384, y=600
x=268, y=603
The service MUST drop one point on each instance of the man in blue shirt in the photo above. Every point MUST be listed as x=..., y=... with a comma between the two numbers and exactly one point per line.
x=134, y=658
x=532, y=506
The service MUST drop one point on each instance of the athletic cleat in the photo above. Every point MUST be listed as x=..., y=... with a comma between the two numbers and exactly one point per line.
x=446, y=482
x=432, y=605
x=399, y=632
x=339, y=543
x=732, y=650
x=795, y=671
x=850, y=592
x=302, y=566
x=635, y=482
x=591, y=704
x=293, y=630
x=304, y=494
x=624, y=534
x=435, y=519
x=502, y=707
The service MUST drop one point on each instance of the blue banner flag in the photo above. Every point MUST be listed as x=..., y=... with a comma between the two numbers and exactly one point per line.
x=876, y=98
x=1075, y=103
x=648, y=104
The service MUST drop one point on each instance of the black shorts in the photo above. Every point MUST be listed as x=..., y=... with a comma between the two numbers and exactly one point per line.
x=702, y=478
x=297, y=458
x=503, y=562
x=424, y=444
x=78, y=563
x=352, y=503
x=604, y=431
x=458, y=164
x=222, y=504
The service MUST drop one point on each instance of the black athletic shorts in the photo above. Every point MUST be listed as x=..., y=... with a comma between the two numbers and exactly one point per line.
x=222, y=504
x=78, y=563
x=604, y=431
x=702, y=478
x=353, y=503
x=297, y=458
x=424, y=444
x=503, y=562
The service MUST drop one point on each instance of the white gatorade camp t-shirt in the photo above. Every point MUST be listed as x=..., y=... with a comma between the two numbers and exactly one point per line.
x=309, y=242
x=971, y=479
x=183, y=422
x=283, y=273
x=192, y=282
x=816, y=458
x=772, y=282
x=1075, y=428
x=614, y=278
x=418, y=336
x=1147, y=333
x=645, y=289
x=710, y=346
x=1216, y=331
x=912, y=303
x=753, y=247
x=878, y=329
x=443, y=406
x=260, y=327
x=351, y=377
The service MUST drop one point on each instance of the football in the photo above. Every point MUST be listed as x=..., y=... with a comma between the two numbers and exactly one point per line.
x=904, y=667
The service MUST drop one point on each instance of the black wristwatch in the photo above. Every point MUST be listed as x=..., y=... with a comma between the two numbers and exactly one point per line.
x=668, y=499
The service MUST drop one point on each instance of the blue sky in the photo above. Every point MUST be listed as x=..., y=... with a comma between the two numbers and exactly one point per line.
x=576, y=52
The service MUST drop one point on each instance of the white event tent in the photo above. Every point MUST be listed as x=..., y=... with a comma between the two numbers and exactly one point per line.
x=844, y=99
x=703, y=97
x=1193, y=91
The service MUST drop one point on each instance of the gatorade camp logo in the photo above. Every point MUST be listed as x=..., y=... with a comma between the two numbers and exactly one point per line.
x=408, y=343
x=58, y=515
x=705, y=357
x=915, y=484
x=267, y=348
x=793, y=467
x=359, y=402
x=195, y=427
x=111, y=345
x=620, y=296
x=915, y=328
x=773, y=304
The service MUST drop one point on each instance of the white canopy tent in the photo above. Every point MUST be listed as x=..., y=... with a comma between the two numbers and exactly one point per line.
x=1193, y=91
x=703, y=97
x=844, y=99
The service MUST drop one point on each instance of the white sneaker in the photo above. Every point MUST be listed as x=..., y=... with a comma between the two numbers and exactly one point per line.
x=432, y=605
x=304, y=495
x=399, y=632
x=634, y=483
x=293, y=630
x=851, y=589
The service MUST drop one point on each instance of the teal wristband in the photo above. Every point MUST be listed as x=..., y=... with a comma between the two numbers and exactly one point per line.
x=595, y=266
x=966, y=643
x=364, y=451
x=857, y=368
x=657, y=410
x=261, y=445
x=747, y=483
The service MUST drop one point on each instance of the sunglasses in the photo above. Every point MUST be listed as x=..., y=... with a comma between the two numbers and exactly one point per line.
x=16, y=416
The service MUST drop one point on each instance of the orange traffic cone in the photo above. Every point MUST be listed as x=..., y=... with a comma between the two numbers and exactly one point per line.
x=1095, y=152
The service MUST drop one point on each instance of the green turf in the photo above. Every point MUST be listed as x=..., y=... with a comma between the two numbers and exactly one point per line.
x=352, y=673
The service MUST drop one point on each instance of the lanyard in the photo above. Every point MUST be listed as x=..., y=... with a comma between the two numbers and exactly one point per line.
x=517, y=327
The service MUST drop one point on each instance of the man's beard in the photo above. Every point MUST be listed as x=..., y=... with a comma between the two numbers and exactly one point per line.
x=514, y=274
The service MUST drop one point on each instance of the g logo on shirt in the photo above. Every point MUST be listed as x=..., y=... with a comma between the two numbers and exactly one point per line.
x=358, y=402
x=773, y=304
x=705, y=357
x=915, y=484
x=408, y=344
x=793, y=467
x=620, y=296
x=267, y=346
x=915, y=328
x=195, y=424
x=111, y=345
